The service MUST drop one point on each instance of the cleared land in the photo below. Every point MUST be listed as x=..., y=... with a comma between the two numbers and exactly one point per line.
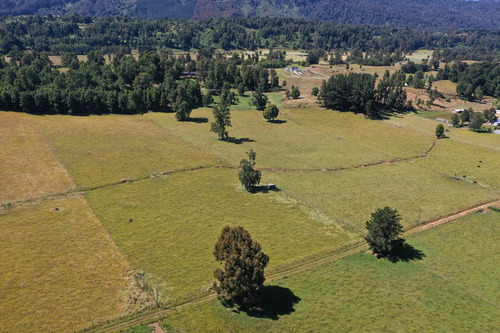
x=452, y=286
x=351, y=195
x=28, y=169
x=308, y=138
x=60, y=270
x=176, y=222
x=102, y=150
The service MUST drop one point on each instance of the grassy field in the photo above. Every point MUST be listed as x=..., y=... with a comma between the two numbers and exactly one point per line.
x=60, y=270
x=305, y=138
x=445, y=87
x=99, y=150
x=351, y=195
x=28, y=169
x=452, y=288
x=176, y=222
x=459, y=159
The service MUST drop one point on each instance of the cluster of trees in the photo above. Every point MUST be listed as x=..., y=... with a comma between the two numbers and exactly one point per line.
x=31, y=83
x=357, y=93
x=384, y=57
x=155, y=81
x=475, y=80
x=59, y=34
x=475, y=120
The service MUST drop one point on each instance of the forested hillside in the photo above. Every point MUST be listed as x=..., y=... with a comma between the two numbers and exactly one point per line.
x=424, y=14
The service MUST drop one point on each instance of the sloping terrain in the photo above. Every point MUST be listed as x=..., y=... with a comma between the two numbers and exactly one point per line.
x=427, y=14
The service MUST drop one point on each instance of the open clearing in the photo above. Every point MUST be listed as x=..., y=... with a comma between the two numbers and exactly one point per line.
x=101, y=150
x=454, y=285
x=162, y=190
x=307, y=138
x=28, y=169
x=60, y=270
x=176, y=222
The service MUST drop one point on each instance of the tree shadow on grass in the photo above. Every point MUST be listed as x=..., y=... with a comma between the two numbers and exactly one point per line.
x=197, y=120
x=406, y=252
x=238, y=141
x=277, y=121
x=276, y=301
x=264, y=189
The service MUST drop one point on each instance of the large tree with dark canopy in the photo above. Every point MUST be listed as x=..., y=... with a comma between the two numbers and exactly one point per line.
x=384, y=229
x=238, y=284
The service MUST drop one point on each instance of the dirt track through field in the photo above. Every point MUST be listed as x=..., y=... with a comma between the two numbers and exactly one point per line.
x=156, y=315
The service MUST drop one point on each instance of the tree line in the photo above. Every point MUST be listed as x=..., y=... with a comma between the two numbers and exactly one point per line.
x=82, y=34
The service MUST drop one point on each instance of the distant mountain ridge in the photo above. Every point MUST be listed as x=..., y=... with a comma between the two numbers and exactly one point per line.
x=424, y=14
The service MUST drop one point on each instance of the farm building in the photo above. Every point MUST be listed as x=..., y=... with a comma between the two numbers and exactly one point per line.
x=458, y=110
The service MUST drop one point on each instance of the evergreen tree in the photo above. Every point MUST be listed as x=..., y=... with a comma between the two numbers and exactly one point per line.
x=295, y=93
x=239, y=283
x=259, y=100
x=384, y=229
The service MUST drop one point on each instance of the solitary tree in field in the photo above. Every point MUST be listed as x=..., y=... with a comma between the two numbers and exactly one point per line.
x=315, y=91
x=439, y=131
x=249, y=177
x=384, y=229
x=295, y=93
x=222, y=120
x=238, y=284
x=271, y=112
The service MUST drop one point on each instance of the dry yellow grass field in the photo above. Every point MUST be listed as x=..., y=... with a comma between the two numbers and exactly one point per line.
x=100, y=150
x=29, y=169
x=60, y=270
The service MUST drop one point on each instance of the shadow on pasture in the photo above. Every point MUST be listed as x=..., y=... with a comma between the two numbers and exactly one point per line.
x=198, y=120
x=277, y=121
x=276, y=301
x=264, y=189
x=406, y=252
x=238, y=141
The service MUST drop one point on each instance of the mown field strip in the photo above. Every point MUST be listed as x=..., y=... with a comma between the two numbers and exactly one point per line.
x=154, y=315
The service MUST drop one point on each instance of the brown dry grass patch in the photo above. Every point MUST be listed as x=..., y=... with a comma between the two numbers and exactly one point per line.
x=29, y=169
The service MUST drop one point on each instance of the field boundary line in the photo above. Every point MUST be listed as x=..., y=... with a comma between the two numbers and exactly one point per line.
x=157, y=314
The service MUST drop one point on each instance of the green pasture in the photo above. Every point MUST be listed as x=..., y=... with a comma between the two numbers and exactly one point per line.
x=305, y=138
x=168, y=227
x=453, y=287
x=351, y=195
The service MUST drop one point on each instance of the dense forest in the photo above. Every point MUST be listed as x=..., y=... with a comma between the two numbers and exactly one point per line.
x=83, y=34
x=421, y=14
x=31, y=83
